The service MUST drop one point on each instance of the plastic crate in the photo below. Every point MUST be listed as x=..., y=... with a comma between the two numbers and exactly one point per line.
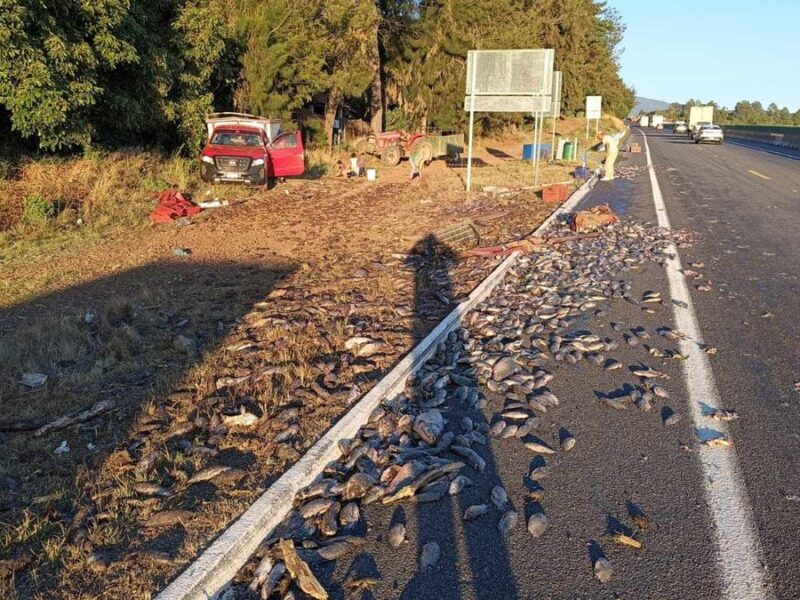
x=555, y=193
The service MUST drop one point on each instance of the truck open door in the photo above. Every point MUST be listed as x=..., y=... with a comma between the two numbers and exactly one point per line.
x=286, y=155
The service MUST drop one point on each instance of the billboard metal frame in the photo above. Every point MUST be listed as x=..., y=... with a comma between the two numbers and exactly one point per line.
x=503, y=87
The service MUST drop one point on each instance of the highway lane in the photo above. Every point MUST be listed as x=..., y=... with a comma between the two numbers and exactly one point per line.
x=747, y=239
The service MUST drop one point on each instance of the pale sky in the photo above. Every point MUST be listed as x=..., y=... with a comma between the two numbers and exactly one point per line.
x=712, y=50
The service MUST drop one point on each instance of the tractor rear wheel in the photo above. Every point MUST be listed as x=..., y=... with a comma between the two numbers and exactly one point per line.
x=391, y=156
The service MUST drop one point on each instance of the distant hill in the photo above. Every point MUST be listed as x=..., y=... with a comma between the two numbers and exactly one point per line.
x=648, y=105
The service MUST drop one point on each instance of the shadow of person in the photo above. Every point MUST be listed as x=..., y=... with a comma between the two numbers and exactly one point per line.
x=134, y=338
x=474, y=560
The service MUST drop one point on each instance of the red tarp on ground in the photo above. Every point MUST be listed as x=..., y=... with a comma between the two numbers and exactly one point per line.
x=172, y=205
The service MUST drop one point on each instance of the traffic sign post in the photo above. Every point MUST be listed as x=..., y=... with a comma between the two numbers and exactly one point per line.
x=594, y=110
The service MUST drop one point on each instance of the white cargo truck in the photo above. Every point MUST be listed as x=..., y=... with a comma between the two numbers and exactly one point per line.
x=657, y=121
x=698, y=115
x=644, y=121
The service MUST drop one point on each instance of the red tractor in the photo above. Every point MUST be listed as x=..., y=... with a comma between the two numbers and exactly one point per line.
x=392, y=146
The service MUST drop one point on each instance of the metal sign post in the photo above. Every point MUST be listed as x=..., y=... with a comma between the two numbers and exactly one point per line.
x=555, y=113
x=507, y=81
x=471, y=125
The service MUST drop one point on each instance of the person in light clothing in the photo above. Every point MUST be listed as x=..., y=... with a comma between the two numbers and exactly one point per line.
x=611, y=143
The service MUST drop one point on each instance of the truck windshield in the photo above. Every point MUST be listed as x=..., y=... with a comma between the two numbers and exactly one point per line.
x=225, y=138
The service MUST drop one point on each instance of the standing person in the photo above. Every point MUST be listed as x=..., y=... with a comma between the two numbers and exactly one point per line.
x=417, y=161
x=611, y=143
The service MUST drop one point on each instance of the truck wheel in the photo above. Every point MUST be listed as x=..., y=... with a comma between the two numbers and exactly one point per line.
x=423, y=149
x=391, y=156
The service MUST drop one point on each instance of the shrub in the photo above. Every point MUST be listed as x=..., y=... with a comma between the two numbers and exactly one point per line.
x=37, y=210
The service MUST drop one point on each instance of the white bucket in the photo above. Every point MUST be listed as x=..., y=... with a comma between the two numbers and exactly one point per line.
x=372, y=174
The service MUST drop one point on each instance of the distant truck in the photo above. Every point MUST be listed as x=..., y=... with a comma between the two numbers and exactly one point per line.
x=698, y=115
x=657, y=121
x=644, y=121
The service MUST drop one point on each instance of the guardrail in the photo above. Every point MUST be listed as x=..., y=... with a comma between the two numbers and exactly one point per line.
x=780, y=137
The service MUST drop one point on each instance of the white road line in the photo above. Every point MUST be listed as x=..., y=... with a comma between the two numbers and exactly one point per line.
x=739, y=553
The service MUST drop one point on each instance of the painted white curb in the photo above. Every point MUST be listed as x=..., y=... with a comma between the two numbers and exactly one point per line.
x=215, y=568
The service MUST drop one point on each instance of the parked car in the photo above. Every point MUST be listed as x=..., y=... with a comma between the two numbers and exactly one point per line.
x=709, y=133
x=679, y=127
x=248, y=149
x=696, y=127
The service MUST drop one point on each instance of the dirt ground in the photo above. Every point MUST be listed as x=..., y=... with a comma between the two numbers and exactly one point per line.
x=238, y=355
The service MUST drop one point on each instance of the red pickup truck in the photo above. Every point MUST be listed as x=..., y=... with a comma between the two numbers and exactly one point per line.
x=247, y=149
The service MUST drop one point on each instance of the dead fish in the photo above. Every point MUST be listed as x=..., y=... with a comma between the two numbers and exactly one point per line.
x=151, y=489
x=723, y=414
x=475, y=511
x=208, y=474
x=301, y=572
x=147, y=461
x=496, y=430
x=539, y=447
x=261, y=573
x=718, y=442
x=358, y=485
x=315, y=507
x=509, y=431
x=429, y=556
x=568, y=443
x=673, y=418
x=458, y=484
x=624, y=540
x=363, y=584
x=499, y=497
x=537, y=524
x=603, y=570
x=242, y=419
x=615, y=403
x=397, y=535
x=541, y=472
x=659, y=391
x=328, y=522
x=507, y=522
x=472, y=457
x=168, y=518
x=612, y=365
x=349, y=514
x=273, y=579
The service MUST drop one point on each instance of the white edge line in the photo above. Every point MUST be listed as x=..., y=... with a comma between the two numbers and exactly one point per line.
x=213, y=570
x=738, y=548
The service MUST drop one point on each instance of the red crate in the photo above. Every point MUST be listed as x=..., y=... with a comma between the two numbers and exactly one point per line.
x=555, y=193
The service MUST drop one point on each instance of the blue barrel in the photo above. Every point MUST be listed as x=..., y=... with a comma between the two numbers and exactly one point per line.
x=527, y=151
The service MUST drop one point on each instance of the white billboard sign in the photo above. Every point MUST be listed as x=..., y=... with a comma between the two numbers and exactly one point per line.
x=510, y=72
x=508, y=81
x=594, y=107
x=521, y=104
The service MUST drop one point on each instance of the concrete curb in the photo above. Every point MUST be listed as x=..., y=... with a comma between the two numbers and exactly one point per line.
x=213, y=570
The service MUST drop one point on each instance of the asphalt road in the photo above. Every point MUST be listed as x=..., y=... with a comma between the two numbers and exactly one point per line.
x=744, y=207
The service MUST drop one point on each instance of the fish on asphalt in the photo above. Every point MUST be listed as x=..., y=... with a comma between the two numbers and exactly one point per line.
x=475, y=511
x=397, y=535
x=499, y=497
x=507, y=522
x=429, y=556
x=537, y=524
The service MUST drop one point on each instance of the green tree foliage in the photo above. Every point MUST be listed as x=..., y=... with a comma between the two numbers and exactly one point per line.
x=743, y=113
x=81, y=73
x=75, y=73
